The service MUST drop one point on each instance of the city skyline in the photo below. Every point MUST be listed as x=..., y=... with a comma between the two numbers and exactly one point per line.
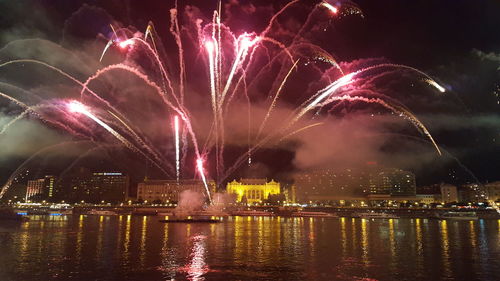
x=321, y=186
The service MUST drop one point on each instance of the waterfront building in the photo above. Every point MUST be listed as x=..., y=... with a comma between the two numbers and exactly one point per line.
x=429, y=189
x=327, y=185
x=253, y=190
x=449, y=193
x=387, y=200
x=373, y=183
x=290, y=194
x=167, y=191
x=493, y=191
x=39, y=190
x=110, y=187
x=473, y=193
x=397, y=182
x=96, y=187
x=429, y=198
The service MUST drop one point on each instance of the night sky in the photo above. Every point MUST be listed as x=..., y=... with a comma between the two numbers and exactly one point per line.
x=456, y=41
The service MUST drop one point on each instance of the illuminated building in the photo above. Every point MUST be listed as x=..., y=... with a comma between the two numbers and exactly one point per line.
x=472, y=193
x=449, y=193
x=110, y=187
x=290, y=194
x=34, y=189
x=493, y=190
x=371, y=182
x=429, y=198
x=253, y=190
x=329, y=185
x=41, y=189
x=97, y=187
x=397, y=182
x=429, y=194
x=165, y=191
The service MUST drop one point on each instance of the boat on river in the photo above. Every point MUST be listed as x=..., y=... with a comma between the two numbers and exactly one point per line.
x=374, y=215
x=191, y=219
x=101, y=212
x=313, y=214
x=251, y=213
x=459, y=216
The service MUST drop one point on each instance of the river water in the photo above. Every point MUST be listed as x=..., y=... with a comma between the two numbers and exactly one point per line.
x=248, y=248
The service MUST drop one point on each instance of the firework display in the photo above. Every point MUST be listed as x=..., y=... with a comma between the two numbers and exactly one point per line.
x=234, y=63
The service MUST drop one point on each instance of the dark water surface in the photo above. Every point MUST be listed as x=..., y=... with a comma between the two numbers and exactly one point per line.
x=247, y=248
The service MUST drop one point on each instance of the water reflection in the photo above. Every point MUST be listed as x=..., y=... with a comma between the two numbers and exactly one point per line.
x=168, y=255
x=119, y=241
x=354, y=232
x=238, y=240
x=99, y=238
x=142, y=249
x=445, y=247
x=472, y=234
x=197, y=266
x=79, y=238
x=419, y=245
x=126, y=244
x=344, y=236
x=256, y=248
x=364, y=242
x=392, y=247
x=484, y=248
x=24, y=245
x=312, y=237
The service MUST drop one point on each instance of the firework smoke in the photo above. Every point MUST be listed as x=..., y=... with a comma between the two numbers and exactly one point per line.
x=236, y=67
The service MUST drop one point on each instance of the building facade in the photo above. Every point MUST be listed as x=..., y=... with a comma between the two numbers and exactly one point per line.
x=290, y=194
x=97, y=187
x=493, y=190
x=329, y=184
x=253, y=190
x=110, y=187
x=167, y=191
x=429, y=198
x=449, y=193
x=473, y=193
x=397, y=182
x=373, y=182
x=43, y=189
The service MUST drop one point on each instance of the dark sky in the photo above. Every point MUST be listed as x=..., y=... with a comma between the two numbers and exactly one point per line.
x=456, y=41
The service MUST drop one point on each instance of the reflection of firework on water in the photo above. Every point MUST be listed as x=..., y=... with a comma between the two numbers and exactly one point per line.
x=234, y=65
